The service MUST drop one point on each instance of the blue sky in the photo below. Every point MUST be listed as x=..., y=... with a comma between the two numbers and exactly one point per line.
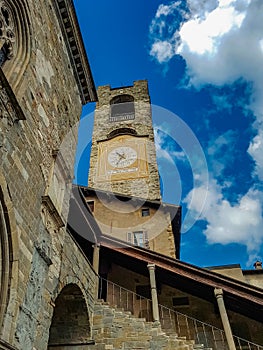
x=203, y=62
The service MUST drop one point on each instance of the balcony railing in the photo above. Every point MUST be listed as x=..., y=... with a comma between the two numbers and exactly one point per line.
x=172, y=322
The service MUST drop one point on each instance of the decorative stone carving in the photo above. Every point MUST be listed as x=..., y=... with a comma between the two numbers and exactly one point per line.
x=7, y=30
x=9, y=107
x=44, y=251
x=50, y=216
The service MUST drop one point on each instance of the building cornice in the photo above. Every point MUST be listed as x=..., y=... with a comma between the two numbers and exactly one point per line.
x=76, y=50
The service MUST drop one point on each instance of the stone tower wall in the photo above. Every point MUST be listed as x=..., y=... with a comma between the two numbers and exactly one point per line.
x=142, y=123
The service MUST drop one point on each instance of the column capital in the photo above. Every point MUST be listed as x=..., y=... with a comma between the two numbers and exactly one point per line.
x=96, y=245
x=218, y=292
x=151, y=266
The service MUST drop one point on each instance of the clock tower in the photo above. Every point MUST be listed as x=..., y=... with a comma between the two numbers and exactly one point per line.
x=123, y=157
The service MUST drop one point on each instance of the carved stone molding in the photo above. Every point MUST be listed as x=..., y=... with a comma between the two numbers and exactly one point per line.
x=9, y=107
x=50, y=215
x=71, y=32
x=7, y=30
x=44, y=251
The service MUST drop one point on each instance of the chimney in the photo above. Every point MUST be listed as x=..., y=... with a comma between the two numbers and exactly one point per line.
x=258, y=265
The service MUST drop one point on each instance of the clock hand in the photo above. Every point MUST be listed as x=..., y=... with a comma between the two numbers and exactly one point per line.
x=122, y=156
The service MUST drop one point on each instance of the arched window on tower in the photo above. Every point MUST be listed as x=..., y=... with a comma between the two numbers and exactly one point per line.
x=122, y=108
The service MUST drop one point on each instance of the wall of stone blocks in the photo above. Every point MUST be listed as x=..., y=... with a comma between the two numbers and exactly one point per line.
x=117, y=218
x=142, y=123
x=255, y=279
x=42, y=256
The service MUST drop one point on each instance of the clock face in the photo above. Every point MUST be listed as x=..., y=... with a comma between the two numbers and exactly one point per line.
x=122, y=157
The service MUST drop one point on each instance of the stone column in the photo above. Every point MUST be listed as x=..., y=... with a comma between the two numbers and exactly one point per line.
x=224, y=318
x=155, y=309
x=95, y=264
x=96, y=258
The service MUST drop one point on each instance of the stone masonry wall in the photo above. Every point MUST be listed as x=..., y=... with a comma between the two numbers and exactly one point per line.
x=43, y=256
x=117, y=218
x=142, y=123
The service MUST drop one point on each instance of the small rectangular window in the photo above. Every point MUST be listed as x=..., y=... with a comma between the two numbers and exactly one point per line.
x=91, y=205
x=129, y=237
x=180, y=301
x=138, y=238
x=145, y=212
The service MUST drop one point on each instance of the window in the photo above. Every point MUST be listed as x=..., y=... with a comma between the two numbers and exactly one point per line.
x=3, y=56
x=7, y=35
x=145, y=211
x=138, y=238
x=91, y=205
x=180, y=301
x=122, y=108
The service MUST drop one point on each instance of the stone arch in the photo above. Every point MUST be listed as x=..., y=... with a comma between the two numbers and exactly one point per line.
x=70, y=324
x=4, y=259
x=8, y=255
x=14, y=39
x=122, y=131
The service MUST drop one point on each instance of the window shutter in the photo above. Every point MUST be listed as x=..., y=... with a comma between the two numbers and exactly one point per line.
x=129, y=237
x=146, y=239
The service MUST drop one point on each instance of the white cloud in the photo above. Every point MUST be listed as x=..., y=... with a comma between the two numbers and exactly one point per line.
x=163, y=50
x=203, y=37
x=256, y=151
x=239, y=223
x=166, y=9
x=222, y=102
x=221, y=41
x=163, y=147
x=217, y=156
x=215, y=146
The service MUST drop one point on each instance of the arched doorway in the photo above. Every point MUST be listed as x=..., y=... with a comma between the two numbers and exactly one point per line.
x=70, y=327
